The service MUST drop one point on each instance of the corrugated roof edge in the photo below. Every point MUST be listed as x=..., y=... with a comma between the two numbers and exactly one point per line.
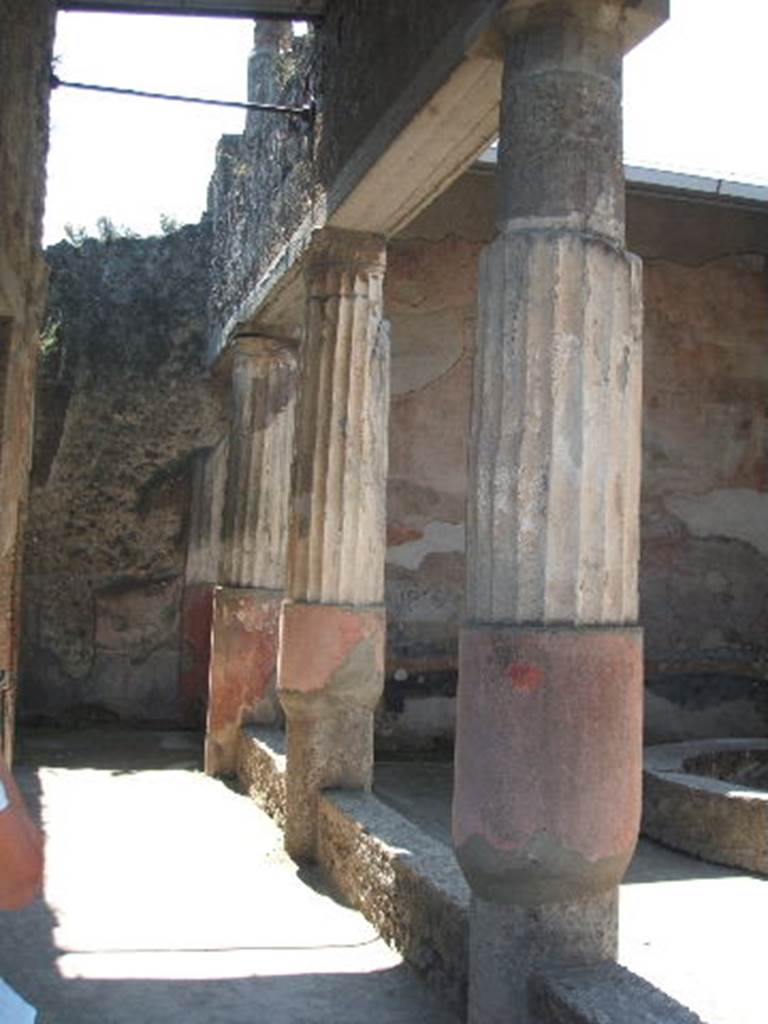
x=693, y=185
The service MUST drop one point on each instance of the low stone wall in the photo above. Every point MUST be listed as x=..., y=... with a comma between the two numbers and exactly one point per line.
x=405, y=883
x=261, y=769
x=410, y=888
x=604, y=994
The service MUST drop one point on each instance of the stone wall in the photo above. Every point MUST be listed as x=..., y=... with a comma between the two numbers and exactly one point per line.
x=283, y=176
x=124, y=406
x=26, y=41
x=704, y=595
x=263, y=184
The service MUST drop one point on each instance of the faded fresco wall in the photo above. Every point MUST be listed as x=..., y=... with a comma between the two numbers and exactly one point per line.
x=704, y=584
x=124, y=406
x=430, y=295
x=704, y=579
x=26, y=39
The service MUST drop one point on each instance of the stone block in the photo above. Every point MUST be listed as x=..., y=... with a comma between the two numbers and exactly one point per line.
x=603, y=994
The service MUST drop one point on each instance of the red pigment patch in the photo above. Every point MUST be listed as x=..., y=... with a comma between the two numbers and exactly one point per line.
x=524, y=677
x=398, y=534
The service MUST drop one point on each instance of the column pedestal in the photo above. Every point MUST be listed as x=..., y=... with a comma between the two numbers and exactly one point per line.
x=508, y=942
x=331, y=669
x=243, y=673
x=547, y=799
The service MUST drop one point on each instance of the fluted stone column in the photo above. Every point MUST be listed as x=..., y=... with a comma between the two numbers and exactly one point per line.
x=548, y=756
x=200, y=577
x=252, y=549
x=333, y=624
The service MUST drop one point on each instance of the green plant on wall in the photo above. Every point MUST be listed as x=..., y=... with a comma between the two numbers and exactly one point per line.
x=50, y=339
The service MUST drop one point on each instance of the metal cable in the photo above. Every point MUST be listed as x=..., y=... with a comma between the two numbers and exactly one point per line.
x=306, y=112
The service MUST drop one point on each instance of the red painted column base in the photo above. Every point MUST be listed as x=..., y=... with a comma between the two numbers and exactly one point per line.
x=547, y=800
x=196, y=611
x=548, y=760
x=330, y=678
x=243, y=671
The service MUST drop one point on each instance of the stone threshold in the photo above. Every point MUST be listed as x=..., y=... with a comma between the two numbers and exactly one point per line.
x=408, y=885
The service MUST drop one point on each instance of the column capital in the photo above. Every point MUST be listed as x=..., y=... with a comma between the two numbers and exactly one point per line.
x=636, y=19
x=262, y=346
x=253, y=345
x=337, y=248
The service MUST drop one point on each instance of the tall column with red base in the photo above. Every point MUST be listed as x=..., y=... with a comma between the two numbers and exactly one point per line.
x=548, y=755
x=331, y=664
x=252, y=546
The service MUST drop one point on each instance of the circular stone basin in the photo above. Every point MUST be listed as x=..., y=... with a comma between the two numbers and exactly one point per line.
x=709, y=798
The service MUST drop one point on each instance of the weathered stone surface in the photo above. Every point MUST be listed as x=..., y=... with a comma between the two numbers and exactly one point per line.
x=261, y=769
x=552, y=522
x=701, y=595
x=112, y=475
x=704, y=557
x=560, y=146
x=209, y=479
x=330, y=673
x=553, y=529
x=243, y=670
x=603, y=994
x=26, y=43
x=195, y=659
x=337, y=528
x=548, y=760
x=508, y=943
x=689, y=805
x=406, y=884
x=331, y=667
x=254, y=519
x=262, y=187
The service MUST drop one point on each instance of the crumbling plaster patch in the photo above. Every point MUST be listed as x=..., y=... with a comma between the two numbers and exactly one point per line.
x=738, y=514
x=437, y=537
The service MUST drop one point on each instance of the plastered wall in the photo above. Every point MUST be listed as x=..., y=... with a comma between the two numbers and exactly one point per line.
x=703, y=579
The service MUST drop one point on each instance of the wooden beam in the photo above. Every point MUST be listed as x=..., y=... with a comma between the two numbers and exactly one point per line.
x=298, y=9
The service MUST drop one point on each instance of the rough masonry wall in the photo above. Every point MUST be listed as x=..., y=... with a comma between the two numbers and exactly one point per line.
x=26, y=38
x=704, y=568
x=282, y=175
x=263, y=185
x=124, y=406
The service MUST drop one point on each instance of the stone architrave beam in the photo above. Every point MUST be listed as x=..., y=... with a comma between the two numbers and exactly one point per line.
x=548, y=754
x=253, y=538
x=332, y=632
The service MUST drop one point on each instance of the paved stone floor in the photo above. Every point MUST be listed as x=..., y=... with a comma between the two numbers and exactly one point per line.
x=168, y=899
x=695, y=930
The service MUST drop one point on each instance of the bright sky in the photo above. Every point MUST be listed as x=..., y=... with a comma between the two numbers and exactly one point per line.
x=694, y=101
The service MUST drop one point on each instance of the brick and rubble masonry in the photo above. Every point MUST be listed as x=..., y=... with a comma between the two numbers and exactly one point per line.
x=26, y=41
x=278, y=176
x=125, y=403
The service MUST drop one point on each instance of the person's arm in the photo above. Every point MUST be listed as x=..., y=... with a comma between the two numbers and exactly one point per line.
x=21, y=848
